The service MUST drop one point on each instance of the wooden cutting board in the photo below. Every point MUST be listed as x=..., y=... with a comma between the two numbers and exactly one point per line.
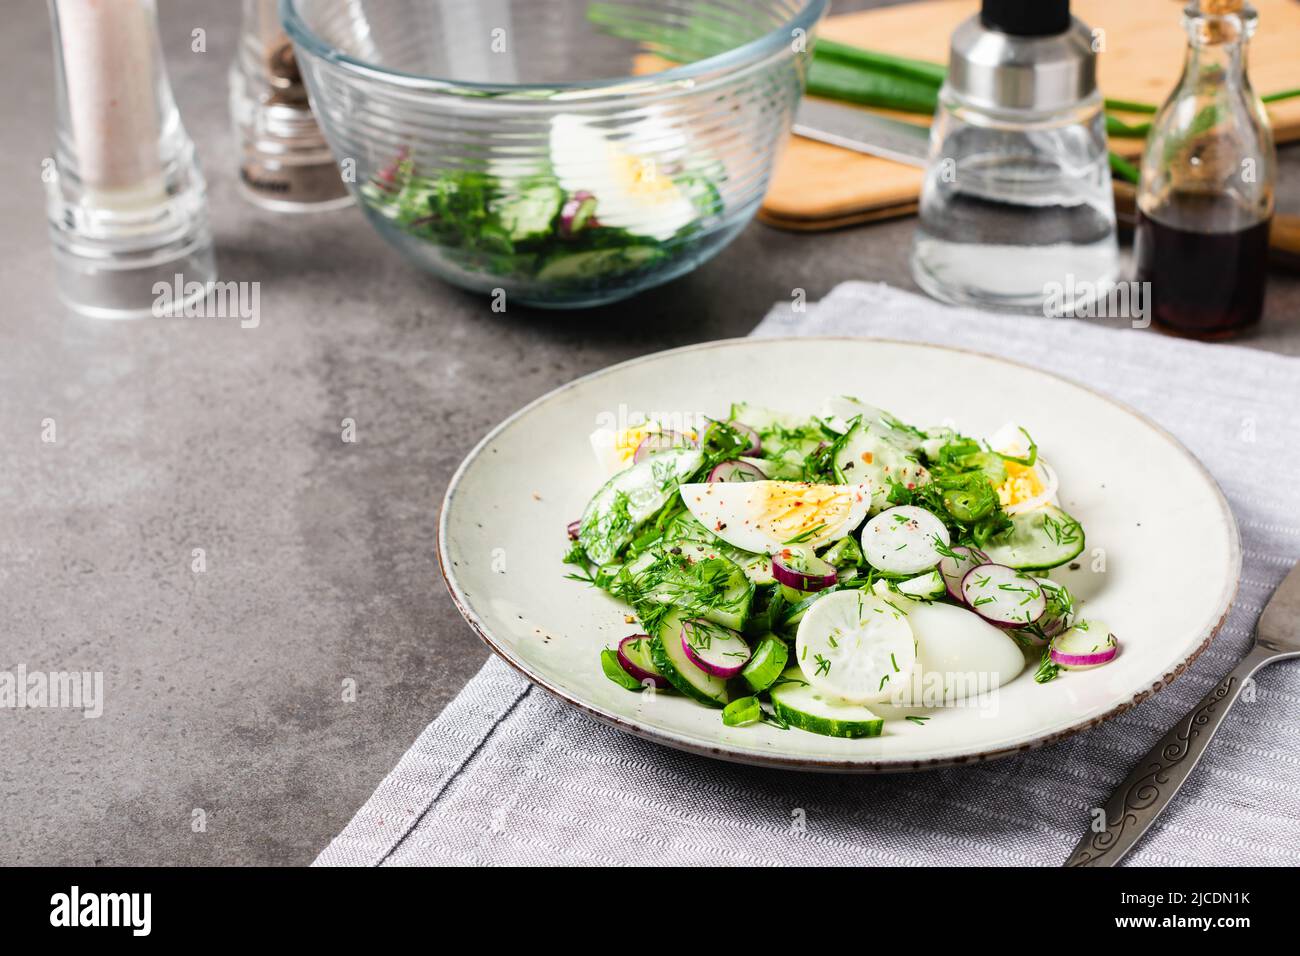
x=816, y=186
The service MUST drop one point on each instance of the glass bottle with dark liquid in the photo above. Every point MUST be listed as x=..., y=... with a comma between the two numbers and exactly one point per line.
x=1206, y=198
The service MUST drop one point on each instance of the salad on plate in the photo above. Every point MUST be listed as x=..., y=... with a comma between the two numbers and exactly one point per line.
x=801, y=570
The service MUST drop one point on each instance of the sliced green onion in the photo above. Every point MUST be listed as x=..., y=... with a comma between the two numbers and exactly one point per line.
x=742, y=712
x=1125, y=170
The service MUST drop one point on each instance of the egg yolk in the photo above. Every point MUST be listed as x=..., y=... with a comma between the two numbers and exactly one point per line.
x=792, y=509
x=628, y=440
x=1022, y=484
x=640, y=178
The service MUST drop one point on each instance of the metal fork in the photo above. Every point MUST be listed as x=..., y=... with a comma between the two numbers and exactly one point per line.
x=1156, y=778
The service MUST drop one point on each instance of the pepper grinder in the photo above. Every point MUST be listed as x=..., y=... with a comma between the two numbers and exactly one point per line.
x=1016, y=204
x=125, y=199
x=284, y=162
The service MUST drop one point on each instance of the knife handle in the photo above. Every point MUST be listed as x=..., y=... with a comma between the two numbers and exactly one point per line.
x=1152, y=784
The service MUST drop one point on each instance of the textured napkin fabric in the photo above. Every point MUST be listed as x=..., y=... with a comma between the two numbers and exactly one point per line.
x=508, y=775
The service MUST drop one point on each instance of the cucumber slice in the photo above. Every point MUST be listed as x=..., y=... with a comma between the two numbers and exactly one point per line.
x=597, y=263
x=801, y=705
x=839, y=410
x=698, y=542
x=629, y=498
x=924, y=586
x=670, y=658
x=844, y=553
x=1044, y=538
x=712, y=588
x=904, y=541
x=768, y=663
x=853, y=645
x=868, y=455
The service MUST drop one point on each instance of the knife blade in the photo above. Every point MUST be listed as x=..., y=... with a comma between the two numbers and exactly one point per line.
x=862, y=131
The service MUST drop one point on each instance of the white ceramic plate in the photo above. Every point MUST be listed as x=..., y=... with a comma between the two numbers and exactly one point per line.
x=1155, y=521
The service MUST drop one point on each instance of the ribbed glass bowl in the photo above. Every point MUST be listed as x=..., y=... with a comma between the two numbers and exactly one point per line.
x=560, y=152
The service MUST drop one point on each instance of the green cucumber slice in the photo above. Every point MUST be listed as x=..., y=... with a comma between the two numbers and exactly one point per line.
x=768, y=663
x=924, y=586
x=597, y=263
x=867, y=455
x=629, y=498
x=1044, y=538
x=801, y=705
x=844, y=553
x=670, y=658
x=712, y=588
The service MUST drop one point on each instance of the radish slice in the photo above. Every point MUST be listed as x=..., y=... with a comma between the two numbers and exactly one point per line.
x=573, y=528
x=755, y=442
x=955, y=566
x=714, y=649
x=1003, y=596
x=904, y=541
x=1058, y=616
x=736, y=471
x=856, y=646
x=803, y=571
x=656, y=442
x=578, y=212
x=634, y=657
x=1087, y=644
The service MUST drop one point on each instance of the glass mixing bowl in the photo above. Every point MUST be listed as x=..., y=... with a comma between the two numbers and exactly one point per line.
x=555, y=152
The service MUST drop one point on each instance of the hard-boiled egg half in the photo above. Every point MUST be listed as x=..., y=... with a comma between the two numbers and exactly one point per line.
x=622, y=169
x=1027, y=486
x=767, y=516
x=615, y=448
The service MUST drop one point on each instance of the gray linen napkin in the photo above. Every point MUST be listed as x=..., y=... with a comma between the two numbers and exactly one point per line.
x=508, y=775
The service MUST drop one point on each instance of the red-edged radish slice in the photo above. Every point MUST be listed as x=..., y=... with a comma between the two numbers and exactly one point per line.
x=656, y=442
x=635, y=658
x=1058, y=616
x=755, y=443
x=714, y=649
x=904, y=541
x=572, y=528
x=1087, y=644
x=1003, y=596
x=955, y=566
x=803, y=571
x=577, y=213
x=736, y=471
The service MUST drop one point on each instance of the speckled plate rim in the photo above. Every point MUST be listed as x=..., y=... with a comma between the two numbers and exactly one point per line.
x=866, y=765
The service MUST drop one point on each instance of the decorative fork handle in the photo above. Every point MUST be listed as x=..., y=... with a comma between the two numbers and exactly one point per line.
x=1153, y=782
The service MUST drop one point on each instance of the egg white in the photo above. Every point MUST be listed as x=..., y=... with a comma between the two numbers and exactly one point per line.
x=624, y=171
x=766, y=516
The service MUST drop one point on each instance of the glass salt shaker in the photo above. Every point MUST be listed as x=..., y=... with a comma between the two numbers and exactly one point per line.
x=1016, y=207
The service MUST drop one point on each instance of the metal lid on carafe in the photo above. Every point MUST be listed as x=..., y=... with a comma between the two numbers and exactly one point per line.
x=1028, y=55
